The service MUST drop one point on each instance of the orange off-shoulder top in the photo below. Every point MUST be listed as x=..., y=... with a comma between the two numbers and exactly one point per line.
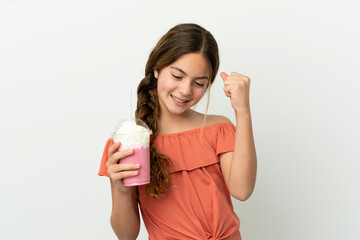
x=198, y=204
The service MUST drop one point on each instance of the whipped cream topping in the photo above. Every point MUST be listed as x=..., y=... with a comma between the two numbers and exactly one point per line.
x=132, y=135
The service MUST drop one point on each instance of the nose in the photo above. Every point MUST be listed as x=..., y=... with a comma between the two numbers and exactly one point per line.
x=185, y=88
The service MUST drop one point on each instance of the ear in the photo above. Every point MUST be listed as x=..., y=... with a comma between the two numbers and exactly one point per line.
x=156, y=74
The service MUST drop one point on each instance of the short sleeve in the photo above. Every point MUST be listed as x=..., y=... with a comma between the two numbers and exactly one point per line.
x=225, y=138
x=103, y=171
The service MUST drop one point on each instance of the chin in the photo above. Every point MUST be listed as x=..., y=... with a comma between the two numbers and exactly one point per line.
x=179, y=112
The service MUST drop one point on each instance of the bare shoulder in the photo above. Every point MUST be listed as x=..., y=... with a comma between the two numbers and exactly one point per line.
x=214, y=119
x=210, y=119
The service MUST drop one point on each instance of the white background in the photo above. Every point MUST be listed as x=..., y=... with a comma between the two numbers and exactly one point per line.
x=66, y=67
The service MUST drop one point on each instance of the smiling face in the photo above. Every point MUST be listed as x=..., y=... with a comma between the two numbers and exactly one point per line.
x=182, y=84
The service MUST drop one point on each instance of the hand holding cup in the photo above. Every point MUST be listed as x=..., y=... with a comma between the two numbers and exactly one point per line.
x=119, y=171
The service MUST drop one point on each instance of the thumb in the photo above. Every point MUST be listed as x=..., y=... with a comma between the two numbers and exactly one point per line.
x=223, y=75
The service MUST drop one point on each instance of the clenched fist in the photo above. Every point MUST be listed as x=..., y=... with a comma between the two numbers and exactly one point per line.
x=237, y=87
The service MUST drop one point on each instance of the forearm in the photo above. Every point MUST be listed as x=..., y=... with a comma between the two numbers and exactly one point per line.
x=125, y=219
x=243, y=168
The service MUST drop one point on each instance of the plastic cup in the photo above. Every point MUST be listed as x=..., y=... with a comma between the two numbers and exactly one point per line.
x=135, y=134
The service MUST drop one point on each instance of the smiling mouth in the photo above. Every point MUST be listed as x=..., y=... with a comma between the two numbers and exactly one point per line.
x=179, y=100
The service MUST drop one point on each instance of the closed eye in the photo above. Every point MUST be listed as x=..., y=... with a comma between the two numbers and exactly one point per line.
x=176, y=76
x=196, y=83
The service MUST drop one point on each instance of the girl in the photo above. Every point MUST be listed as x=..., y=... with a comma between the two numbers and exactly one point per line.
x=197, y=161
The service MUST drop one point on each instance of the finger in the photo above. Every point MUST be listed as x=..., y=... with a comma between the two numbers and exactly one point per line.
x=239, y=77
x=232, y=79
x=125, y=167
x=237, y=80
x=113, y=148
x=235, y=73
x=122, y=175
x=223, y=75
x=119, y=155
x=227, y=91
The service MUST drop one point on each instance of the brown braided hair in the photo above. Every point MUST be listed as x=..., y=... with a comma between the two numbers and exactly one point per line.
x=180, y=40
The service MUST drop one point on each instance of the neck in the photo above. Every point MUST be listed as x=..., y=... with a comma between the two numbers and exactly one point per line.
x=172, y=118
x=168, y=122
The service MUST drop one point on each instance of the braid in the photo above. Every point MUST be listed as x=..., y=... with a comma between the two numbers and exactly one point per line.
x=148, y=110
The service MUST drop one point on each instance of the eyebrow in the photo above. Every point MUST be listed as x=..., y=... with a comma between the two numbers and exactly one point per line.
x=180, y=70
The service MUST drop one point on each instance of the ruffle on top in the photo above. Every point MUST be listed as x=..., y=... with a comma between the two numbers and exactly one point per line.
x=204, y=146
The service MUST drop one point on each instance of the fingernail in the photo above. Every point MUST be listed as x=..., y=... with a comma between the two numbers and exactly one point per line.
x=129, y=150
x=137, y=165
x=135, y=172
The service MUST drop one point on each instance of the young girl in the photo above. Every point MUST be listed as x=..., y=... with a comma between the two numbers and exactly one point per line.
x=197, y=160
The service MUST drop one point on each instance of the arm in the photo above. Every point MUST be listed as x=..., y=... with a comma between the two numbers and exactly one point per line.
x=239, y=167
x=125, y=219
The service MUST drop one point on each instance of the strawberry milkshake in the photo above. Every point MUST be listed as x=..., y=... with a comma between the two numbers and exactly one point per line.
x=134, y=134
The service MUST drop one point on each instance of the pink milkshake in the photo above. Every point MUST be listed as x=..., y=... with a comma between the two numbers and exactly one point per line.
x=134, y=134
